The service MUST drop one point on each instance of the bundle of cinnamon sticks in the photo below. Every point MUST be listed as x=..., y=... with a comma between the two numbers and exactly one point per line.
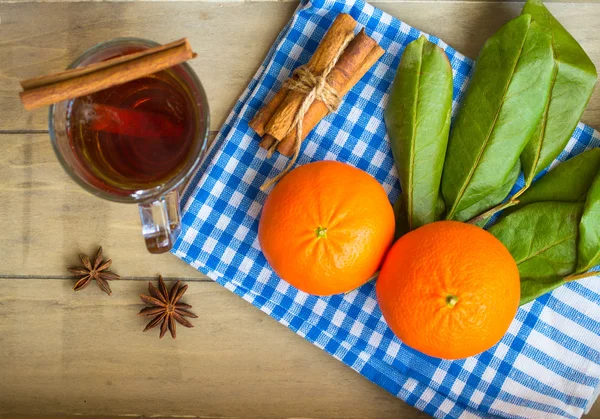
x=275, y=121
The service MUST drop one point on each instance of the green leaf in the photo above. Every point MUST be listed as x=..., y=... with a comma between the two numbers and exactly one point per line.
x=589, y=229
x=532, y=288
x=500, y=111
x=492, y=199
x=573, y=81
x=401, y=218
x=567, y=182
x=542, y=238
x=440, y=209
x=418, y=120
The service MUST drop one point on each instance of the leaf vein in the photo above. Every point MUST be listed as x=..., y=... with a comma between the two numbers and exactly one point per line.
x=531, y=256
x=489, y=134
x=544, y=123
x=410, y=194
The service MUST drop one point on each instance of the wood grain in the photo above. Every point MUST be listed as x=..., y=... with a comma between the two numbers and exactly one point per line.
x=84, y=352
x=31, y=44
x=47, y=219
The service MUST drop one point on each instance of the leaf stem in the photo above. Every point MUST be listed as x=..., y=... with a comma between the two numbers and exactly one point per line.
x=520, y=192
x=511, y=202
x=489, y=213
x=575, y=277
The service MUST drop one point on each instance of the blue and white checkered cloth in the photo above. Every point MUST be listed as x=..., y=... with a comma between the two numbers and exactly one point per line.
x=547, y=365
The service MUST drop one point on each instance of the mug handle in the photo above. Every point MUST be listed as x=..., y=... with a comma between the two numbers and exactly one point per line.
x=161, y=222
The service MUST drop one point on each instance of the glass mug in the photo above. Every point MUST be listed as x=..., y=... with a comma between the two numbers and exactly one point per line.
x=138, y=142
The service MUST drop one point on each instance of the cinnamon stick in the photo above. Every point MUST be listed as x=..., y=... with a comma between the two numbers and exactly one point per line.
x=267, y=142
x=360, y=55
x=283, y=116
x=264, y=115
x=45, y=90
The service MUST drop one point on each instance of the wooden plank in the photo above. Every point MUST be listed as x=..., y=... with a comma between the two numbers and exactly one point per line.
x=47, y=219
x=237, y=362
x=67, y=416
x=31, y=44
x=84, y=353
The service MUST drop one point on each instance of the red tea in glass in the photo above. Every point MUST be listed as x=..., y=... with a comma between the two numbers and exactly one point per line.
x=135, y=142
x=134, y=136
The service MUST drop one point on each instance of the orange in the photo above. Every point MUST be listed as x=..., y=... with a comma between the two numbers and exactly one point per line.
x=325, y=227
x=449, y=289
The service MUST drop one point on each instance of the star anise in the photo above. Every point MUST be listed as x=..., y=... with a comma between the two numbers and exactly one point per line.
x=166, y=307
x=97, y=271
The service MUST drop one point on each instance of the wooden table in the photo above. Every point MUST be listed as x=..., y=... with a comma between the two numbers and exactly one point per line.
x=84, y=353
